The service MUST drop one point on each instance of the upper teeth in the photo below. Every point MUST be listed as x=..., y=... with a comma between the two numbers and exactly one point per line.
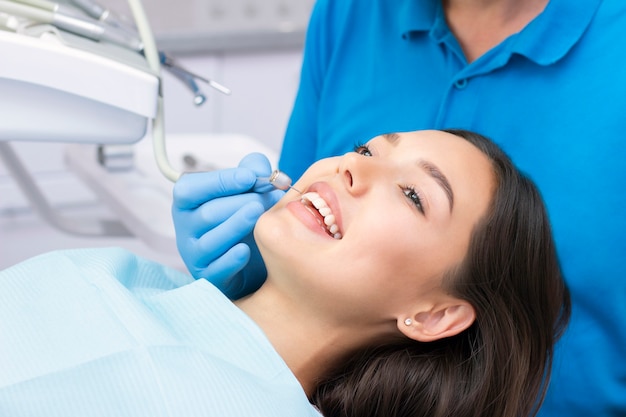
x=329, y=218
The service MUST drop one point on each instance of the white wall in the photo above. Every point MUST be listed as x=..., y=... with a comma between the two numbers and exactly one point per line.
x=263, y=87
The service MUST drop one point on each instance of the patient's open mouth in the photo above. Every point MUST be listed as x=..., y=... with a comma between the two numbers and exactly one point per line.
x=326, y=216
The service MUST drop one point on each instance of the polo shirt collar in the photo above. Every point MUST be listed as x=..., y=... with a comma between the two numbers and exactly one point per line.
x=417, y=16
x=545, y=40
x=555, y=31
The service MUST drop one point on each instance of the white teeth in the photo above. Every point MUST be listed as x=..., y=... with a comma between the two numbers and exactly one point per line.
x=320, y=204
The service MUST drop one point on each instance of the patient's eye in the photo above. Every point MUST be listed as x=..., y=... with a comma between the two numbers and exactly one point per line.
x=362, y=150
x=414, y=197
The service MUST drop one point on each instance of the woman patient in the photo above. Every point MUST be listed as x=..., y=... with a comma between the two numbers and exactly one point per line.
x=416, y=276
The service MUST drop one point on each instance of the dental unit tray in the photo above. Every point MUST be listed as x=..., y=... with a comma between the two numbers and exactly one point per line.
x=57, y=86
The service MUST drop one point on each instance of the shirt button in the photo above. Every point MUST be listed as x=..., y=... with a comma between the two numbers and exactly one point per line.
x=461, y=84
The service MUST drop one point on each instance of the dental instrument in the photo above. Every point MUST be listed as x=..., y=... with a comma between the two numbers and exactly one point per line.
x=48, y=12
x=277, y=179
x=102, y=14
x=198, y=96
x=169, y=63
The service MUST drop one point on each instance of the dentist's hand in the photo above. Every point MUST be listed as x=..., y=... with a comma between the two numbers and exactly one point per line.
x=214, y=215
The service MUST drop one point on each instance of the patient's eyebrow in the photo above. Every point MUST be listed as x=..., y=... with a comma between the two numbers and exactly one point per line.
x=430, y=169
x=392, y=138
x=441, y=179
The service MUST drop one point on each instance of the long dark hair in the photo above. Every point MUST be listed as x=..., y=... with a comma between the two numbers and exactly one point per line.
x=500, y=365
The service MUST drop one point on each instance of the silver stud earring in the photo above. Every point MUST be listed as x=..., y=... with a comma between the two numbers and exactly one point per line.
x=408, y=322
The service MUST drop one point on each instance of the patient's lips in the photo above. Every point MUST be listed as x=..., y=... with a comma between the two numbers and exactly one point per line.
x=326, y=216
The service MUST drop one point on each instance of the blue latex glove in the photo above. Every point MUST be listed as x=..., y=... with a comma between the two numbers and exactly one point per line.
x=214, y=215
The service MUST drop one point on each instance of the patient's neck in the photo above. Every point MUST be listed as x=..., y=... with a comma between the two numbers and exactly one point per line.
x=310, y=346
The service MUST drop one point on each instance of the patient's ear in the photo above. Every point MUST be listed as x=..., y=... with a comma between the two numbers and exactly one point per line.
x=438, y=322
